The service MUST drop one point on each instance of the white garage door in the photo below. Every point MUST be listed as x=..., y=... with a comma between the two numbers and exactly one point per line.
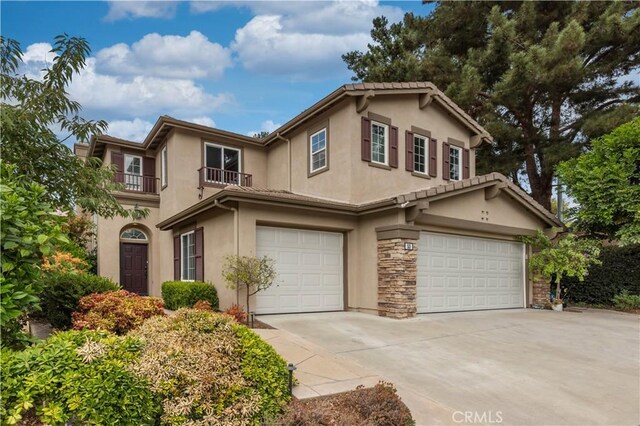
x=464, y=274
x=309, y=265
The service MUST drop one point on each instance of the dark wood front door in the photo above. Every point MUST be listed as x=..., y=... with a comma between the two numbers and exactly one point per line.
x=133, y=267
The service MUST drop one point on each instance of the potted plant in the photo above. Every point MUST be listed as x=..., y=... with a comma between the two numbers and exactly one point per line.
x=565, y=256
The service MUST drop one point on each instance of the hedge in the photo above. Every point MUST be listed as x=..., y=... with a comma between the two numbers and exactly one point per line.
x=185, y=294
x=116, y=311
x=76, y=377
x=619, y=271
x=209, y=370
x=61, y=293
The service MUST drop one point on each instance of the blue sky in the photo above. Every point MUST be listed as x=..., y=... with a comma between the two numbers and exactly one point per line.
x=236, y=65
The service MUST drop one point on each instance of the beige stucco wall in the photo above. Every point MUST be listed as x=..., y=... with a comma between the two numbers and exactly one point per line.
x=350, y=179
x=185, y=156
x=108, y=247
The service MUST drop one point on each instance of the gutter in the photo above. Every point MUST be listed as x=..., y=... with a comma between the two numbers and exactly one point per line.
x=288, y=141
x=236, y=235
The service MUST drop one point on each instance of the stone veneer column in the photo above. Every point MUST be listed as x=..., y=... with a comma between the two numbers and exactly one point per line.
x=397, y=268
x=540, y=292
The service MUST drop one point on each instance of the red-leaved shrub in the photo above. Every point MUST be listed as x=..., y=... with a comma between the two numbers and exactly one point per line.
x=203, y=305
x=116, y=311
x=237, y=312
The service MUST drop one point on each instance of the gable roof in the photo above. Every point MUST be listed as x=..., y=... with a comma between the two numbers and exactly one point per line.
x=474, y=183
x=159, y=131
x=274, y=196
x=369, y=90
x=165, y=123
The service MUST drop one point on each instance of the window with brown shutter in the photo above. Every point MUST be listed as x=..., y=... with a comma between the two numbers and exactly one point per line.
x=465, y=164
x=176, y=258
x=446, y=169
x=366, y=139
x=433, y=157
x=199, y=254
x=393, y=147
x=408, y=140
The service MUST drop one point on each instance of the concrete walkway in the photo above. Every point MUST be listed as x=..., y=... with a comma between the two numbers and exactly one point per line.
x=318, y=371
x=514, y=367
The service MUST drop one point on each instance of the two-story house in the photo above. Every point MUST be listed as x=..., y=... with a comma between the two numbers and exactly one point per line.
x=367, y=201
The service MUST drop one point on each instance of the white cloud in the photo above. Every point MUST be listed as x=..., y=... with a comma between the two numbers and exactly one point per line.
x=141, y=9
x=305, y=40
x=38, y=52
x=134, y=130
x=203, y=121
x=266, y=126
x=264, y=46
x=141, y=95
x=173, y=56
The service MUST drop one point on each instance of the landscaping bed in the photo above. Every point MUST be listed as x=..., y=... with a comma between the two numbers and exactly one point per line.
x=376, y=406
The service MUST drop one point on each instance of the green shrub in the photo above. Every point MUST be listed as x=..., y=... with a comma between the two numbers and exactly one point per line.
x=626, y=302
x=185, y=294
x=62, y=292
x=115, y=311
x=209, y=370
x=76, y=377
x=620, y=270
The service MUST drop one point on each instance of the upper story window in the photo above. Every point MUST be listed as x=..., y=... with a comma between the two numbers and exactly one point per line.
x=379, y=142
x=318, y=151
x=455, y=162
x=222, y=164
x=188, y=256
x=133, y=172
x=420, y=153
x=163, y=167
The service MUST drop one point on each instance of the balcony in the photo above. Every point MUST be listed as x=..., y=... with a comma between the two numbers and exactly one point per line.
x=218, y=177
x=137, y=183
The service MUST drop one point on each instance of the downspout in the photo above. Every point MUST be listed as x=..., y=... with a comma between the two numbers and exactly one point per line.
x=288, y=141
x=236, y=236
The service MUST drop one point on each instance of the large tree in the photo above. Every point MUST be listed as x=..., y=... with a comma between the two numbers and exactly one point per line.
x=605, y=182
x=542, y=77
x=31, y=109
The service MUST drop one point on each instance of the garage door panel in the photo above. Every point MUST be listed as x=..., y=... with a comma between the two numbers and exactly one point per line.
x=466, y=273
x=310, y=270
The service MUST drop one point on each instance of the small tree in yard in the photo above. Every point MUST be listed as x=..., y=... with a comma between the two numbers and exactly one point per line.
x=254, y=273
x=563, y=257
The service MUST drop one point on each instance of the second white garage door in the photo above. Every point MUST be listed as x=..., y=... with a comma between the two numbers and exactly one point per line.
x=457, y=273
x=310, y=270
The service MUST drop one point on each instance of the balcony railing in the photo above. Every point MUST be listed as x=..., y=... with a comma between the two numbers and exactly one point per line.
x=137, y=183
x=211, y=176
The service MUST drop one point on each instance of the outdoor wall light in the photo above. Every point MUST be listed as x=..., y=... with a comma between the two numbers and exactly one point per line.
x=291, y=369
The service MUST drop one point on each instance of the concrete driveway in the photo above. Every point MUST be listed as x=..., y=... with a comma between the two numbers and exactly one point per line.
x=511, y=367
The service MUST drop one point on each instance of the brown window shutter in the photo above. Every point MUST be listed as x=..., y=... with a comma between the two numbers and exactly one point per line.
x=393, y=147
x=117, y=158
x=149, y=174
x=465, y=163
x=199, y=254
x=366, y=139
x=446, y=173
x=408, y=140
x=176, y=257
x=433, y=157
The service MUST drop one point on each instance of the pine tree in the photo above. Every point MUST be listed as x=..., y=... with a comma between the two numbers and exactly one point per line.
x=543, y=77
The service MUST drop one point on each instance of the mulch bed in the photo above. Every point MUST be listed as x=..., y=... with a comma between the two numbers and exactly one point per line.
x=376, y=406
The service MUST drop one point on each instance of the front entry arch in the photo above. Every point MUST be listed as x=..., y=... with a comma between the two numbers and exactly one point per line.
x=134, y=261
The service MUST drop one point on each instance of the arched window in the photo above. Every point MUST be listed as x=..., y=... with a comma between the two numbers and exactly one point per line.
x=133, y=234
